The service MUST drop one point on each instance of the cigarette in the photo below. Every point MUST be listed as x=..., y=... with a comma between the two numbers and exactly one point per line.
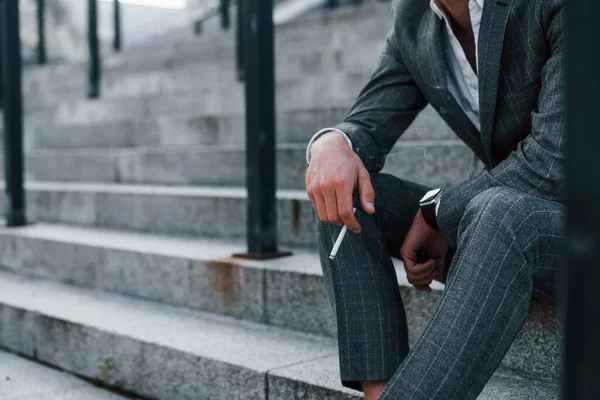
x=339, y=240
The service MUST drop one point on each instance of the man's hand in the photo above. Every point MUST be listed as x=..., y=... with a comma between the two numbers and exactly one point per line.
x=423, y=239
x=334, y=172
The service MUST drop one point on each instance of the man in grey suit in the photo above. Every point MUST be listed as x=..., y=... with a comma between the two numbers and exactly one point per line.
x=493, y=70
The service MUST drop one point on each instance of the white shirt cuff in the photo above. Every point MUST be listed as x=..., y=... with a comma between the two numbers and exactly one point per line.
x=437, y=205
x=318, y=134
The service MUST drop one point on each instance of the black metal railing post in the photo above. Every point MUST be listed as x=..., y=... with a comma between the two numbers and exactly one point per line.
x=94, y=51
x=2, y=88
x=225, y=15
x=198, y=27
x=581, y=297
x=117, y=23
x=240, y=46
x=41, y=26
x=13, y=112
x=260, y=131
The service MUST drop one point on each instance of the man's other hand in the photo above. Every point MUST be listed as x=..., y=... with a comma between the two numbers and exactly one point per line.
x=423, y=239
x=335, y=171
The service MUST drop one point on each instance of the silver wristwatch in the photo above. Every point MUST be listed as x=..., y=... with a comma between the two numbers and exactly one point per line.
x=428, y=205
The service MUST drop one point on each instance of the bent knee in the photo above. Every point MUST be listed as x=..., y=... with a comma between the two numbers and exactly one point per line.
x=495, y=208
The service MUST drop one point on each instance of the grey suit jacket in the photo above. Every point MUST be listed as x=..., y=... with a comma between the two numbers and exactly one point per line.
x=522, y=100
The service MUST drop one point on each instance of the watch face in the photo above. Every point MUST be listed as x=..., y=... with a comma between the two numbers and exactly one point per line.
x=430, y=195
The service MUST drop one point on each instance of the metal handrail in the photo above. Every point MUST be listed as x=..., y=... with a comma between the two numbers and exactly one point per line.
x=13, y=112
x=41, y=48
x=221, y=9
x=94, y=51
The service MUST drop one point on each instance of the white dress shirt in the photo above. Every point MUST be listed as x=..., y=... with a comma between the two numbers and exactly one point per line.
x=463, y=82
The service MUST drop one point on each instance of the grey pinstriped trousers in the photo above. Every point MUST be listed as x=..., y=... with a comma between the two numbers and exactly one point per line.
x=507, y=250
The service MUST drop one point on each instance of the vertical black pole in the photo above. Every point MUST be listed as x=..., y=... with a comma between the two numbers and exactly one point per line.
x=225, y=17
x=94, y=61
x=198, y=27
x=117, y=22
x=41, y=50
x=2, y=88
x=260, y=130
x=582, y=326
x=240, y=46
x=13, y=113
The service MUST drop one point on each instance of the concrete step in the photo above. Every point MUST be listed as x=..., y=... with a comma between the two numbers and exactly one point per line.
x=217, y=98
x=156, y=351
x=294, y=126
x=435, y=163
x=22, y=379
x=292, y=67
x=331, y=30
x=173, y=353
x=200, y=273
x=180, y=211
x=297, y=126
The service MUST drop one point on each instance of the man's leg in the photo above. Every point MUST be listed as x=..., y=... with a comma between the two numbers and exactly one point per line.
x=363, y=287
x=507, y=240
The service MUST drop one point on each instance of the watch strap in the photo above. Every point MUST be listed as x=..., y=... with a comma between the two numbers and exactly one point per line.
x=428, y=212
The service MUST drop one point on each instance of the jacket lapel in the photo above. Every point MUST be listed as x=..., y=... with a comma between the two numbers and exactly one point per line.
x=432, y=62
x=491, y=41
x=433, y=68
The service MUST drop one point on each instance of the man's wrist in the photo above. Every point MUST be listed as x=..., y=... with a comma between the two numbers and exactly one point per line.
x=320, y=134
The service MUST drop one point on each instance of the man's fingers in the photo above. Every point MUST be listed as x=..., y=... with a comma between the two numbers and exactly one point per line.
x=421, y=274
x=428, y=274
x=421, y=269
x=320, y=205
x=345, y=209
x=365, y=191
x=331, y=206
x=422, y=280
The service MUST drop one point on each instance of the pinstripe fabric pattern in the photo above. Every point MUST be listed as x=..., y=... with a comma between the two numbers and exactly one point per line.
x=507, y=251
x=362, y=283
x=505, y=222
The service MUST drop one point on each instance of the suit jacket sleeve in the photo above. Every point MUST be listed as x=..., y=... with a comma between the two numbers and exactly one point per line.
x=385, y=107
x=537, y=165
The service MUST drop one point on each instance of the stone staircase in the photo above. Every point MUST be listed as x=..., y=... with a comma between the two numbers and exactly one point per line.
x=23, y=379
x=138, y=200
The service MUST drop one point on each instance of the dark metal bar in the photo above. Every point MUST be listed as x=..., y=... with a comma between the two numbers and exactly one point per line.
x=2, y=88
x=13, y=113
x=580, y=293
x=225, y=15
x=117, y=22
x=240, y=46
x=94, y=61
x=198, y=27
x=41, y=48
x=260, y=131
